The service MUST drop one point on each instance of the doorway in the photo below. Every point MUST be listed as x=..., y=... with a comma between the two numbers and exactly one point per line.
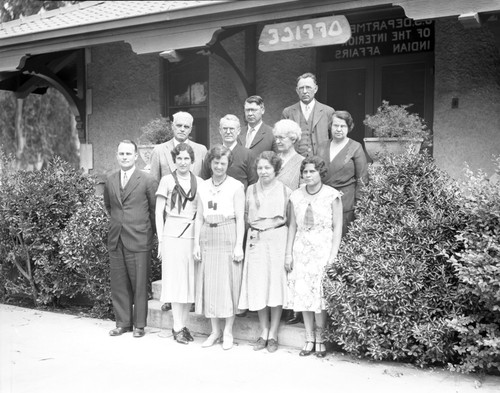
x=359, y=86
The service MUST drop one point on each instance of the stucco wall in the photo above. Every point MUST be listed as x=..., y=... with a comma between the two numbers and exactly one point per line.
x=467, y=66
x=125, y=96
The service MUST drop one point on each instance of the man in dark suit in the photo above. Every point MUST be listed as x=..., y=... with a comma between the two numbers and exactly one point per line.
x=313, y=117
x=129, y=197
x=257, y=136
x=242, y=168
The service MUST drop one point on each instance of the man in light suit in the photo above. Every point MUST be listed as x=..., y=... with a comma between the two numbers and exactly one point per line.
x=313, y=117
x=242, y=168
x=129, y=197
x=161, y=157
x=257, y=136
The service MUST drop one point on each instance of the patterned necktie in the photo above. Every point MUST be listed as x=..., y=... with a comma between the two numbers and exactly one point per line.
x=249, y=137
x=309, y=217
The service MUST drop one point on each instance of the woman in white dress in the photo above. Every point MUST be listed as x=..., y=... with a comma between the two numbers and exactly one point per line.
x=264, y=277
x=176, y=200
x=314, y=235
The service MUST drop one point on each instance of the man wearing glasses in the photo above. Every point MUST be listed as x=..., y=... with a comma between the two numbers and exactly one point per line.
x=313, y=117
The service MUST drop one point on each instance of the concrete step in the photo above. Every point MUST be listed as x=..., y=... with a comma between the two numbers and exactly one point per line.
x=244, y=328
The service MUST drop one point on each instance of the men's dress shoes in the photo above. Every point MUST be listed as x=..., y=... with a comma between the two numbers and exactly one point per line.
x=139, y=332
x=119, y=331
x=296, y=318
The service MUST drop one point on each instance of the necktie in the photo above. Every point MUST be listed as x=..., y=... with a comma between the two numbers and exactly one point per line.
x=249, y=138
x=125, y=179
x=309, y=217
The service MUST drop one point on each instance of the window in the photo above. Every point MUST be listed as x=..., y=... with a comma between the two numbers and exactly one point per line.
x=185, y=88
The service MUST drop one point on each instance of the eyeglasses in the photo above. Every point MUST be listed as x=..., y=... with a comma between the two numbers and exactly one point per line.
x=342, y=126
x=280, y=137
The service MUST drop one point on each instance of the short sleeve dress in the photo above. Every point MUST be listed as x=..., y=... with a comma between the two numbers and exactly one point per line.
x=177, y=268
x=264, y=276
x=311, y=248
x=219, y=277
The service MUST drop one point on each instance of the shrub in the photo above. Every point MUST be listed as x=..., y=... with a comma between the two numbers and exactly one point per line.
x=393, y=288
x=84, y=251
x=156, y=131
x=476, y=259
x=35, y=207
x=394, y=121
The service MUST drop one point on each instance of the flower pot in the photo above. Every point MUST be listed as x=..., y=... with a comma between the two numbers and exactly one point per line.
x=377, y=146
x=145, y=153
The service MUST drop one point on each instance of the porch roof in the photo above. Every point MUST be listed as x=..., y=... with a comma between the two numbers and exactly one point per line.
x=157, y=26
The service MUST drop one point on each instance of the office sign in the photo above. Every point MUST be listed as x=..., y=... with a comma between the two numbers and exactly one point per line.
x=330, y=30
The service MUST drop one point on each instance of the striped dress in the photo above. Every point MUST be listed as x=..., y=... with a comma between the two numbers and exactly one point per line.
x=218, y=276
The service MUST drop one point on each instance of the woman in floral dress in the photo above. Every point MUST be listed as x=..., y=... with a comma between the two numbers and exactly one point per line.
x=314, y=235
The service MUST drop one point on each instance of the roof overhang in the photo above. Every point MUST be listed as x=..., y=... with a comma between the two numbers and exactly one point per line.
x=195, y=26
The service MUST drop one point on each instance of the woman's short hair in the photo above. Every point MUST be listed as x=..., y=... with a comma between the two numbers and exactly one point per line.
x=288, y=127
x=272, y=158
x=319, y=165
x=346, y=116
x=182, y=147
x=217, y=151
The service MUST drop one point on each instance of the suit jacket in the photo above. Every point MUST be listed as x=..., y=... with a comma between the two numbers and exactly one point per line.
x=322, y=121
x=162, y=163
x=132, y=212
x=262, y=141
x=241, y=169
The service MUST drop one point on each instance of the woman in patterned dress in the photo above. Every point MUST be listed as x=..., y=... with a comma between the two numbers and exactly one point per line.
x=177, y=199
x=264, y=277
x=314, y=235
x=218, y=248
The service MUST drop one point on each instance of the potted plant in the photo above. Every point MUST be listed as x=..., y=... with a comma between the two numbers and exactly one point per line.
x=156, y=131
x=395, y=130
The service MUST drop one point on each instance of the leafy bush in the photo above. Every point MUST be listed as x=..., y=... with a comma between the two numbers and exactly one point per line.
x=394, y=121
x=476, y=259
x=156, y=131
x=35, y=207
x=84, y=251
x=393, y=288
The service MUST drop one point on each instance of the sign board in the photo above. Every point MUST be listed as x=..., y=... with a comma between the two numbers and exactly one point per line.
x=386, y=38
x=330, y=30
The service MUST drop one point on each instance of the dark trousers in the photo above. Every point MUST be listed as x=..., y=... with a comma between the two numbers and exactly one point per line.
x=130, y=273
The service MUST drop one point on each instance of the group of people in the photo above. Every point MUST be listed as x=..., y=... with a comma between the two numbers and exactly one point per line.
x=248, y=225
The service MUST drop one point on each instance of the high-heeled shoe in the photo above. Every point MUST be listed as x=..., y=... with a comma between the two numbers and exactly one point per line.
x=320, y=347
x=213, y=339
x=227, y=342
x=307, y=349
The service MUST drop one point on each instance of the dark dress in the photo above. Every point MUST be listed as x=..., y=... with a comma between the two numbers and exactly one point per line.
x=346, y=172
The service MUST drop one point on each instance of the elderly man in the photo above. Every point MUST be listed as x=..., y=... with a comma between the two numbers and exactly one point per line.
x=242, y=168
x=161, y=157
x=257, y=136
x=313, y=117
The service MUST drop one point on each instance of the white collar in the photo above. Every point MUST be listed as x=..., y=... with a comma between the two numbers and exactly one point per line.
x=310, y=105
x=128, y=172
x=176, y=142
x=256, y=128
x=233, y=145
